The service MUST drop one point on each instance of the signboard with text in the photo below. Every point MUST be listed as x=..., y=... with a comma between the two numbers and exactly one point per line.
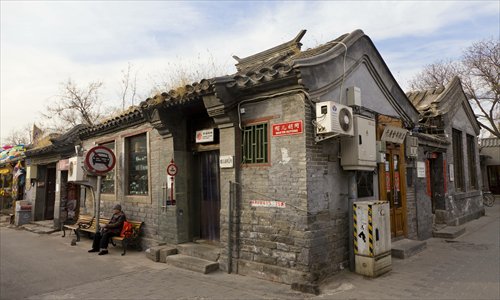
x=288, y=128
x=205, y=136
x=267, y=203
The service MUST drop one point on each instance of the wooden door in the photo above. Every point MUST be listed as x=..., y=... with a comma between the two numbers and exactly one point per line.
x=50, y=195
x=392, y=178
x=210, y=196
x=393, y=189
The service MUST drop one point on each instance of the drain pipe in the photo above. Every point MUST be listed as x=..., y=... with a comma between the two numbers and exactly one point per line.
x=230, y=229
x=352, y=197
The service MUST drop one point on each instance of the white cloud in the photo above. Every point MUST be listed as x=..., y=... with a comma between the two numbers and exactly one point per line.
x=44, y=43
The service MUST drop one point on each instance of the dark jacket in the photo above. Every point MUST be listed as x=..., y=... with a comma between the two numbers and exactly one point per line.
x=116, y=223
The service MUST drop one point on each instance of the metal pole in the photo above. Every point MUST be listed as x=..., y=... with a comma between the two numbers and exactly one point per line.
x=98, y=203
x=352, y=196
x=230, y=229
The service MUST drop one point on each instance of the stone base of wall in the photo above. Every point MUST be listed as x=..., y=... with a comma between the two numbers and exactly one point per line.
x=445, y=217
x=464, y=219
x=272, y=273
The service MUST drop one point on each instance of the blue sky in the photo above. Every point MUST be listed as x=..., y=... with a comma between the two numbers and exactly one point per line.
x=43, y=43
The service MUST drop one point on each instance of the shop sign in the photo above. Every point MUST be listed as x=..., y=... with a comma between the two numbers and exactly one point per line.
x=288, y=128
x=205, y=136
x=266, y=203
x=226, y=162
x=394, y=135
x=63, y=165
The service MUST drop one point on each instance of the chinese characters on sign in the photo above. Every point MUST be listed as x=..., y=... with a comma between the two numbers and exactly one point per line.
x=289, y=128
x=393, y=135
x=266, y=203
x=205, y=136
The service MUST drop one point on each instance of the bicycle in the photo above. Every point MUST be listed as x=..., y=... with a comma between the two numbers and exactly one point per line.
x=488, y=199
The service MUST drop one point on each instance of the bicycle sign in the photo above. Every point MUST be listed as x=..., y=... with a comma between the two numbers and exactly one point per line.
x=100, y=160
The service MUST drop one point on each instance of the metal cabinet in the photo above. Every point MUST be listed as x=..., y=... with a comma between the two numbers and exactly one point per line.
x=372, y=237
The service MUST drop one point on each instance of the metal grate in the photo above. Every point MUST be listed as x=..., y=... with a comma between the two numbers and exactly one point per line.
x=254, y=144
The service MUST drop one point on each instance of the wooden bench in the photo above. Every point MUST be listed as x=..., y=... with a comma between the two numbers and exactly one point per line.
x=86, y=223
x=133, y=239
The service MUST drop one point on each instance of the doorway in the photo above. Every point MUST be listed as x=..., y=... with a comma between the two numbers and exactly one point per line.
x=394, y=189
x=206, y=223
x=436, y=181
x=50, y=194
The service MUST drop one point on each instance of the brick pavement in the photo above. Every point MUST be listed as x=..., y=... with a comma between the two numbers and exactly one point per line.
x=465, y=268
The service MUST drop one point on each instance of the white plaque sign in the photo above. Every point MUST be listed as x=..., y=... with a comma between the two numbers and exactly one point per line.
x=226, y=161
x=420, y=169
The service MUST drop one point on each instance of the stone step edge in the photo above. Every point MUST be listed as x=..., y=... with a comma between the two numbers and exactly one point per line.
x=192, y=263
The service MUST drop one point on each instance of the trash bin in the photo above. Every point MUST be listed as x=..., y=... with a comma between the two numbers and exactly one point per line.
x=23, y=213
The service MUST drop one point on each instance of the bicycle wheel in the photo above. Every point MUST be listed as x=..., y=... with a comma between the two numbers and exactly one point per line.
x=488, y=199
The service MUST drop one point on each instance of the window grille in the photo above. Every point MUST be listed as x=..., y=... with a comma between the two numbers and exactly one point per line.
x=255, y=144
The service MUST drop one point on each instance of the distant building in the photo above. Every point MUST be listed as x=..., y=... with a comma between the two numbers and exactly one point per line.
x=490, y=164
x=449, y=152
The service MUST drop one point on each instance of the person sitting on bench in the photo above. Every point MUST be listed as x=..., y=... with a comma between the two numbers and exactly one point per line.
x=113, y=228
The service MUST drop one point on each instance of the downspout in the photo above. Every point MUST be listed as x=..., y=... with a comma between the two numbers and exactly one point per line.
x=352, y=197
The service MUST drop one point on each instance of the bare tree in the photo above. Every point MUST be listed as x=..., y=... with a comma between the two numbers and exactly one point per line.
x=19, y=136
x=128, y=86
x=75, y=106
x=479, y=71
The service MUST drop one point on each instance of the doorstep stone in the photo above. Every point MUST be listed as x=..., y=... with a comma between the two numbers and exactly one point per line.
x=192, y=263
x=449, y=232
x=406, y=248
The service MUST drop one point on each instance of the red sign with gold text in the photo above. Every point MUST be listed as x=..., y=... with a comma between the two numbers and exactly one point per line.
x=289, y=128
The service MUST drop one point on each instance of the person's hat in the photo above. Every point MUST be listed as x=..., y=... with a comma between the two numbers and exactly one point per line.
x=118, y=207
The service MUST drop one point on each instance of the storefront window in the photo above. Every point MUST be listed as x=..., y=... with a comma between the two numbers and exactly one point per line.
x=137, y=158
x=108, y=182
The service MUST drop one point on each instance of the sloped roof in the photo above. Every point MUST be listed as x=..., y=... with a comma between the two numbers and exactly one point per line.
x=490, y=142
x=433, y=102
x=442, y=100
x=60, y=143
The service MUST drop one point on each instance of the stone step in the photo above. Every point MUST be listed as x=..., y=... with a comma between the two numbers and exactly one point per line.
x=192, y=263
x=406, y=248
x=203, y=251
x=449, y=232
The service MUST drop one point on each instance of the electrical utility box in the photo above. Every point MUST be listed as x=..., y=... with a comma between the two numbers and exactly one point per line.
x=75, y=171
x=372, y=237
x=359, y=151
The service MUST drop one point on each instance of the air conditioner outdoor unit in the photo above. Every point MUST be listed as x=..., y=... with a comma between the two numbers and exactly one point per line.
x=334, y=118
x=75, y=169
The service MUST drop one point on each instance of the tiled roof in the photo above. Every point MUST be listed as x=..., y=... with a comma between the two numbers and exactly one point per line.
x=490, y=142
x=63, y=142
x=181, y=94
x=431, y=103
x=130, y=116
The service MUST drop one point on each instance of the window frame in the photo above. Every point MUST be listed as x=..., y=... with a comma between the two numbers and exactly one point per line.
x=471, y=161
x=458, y=159
x=106, y=144
x=128, y=165
x=253, y=127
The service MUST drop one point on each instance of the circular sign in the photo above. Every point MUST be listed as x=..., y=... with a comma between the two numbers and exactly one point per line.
x=172, y=169
x=100, y=160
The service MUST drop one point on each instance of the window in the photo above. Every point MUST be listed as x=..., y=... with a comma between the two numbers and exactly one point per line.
x=458, y=159
x=471, y=160
x=255, y=144
x=137, y=167
x=108, y=182
x=365, y=183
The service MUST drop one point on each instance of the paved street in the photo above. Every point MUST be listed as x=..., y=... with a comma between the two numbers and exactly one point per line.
x=36, y=266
